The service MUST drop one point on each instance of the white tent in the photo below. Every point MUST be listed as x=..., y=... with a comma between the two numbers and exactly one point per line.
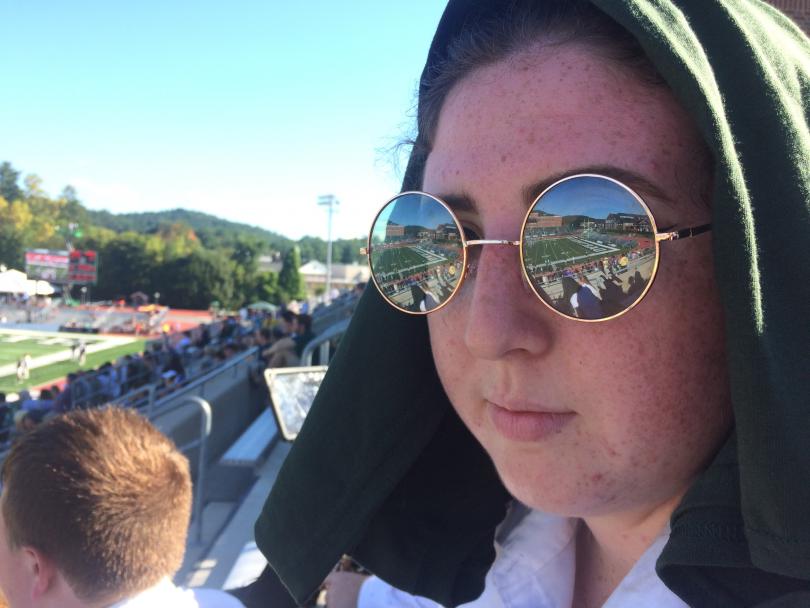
x=39, y=288
x=13, y=281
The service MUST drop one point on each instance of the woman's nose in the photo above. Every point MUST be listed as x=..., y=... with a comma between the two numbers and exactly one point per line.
x=503, y=316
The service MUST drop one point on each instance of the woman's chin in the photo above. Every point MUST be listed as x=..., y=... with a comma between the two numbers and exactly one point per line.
x=568, y=491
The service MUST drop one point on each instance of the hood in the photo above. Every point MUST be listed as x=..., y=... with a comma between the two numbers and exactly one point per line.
x=383, y=468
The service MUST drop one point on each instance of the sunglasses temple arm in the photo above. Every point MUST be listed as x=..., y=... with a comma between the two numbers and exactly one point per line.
x=683, y=234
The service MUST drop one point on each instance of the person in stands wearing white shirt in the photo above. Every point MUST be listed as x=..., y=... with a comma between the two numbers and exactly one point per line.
x=94, y=513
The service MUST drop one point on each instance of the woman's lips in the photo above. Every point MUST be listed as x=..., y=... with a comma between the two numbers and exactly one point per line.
x=525, y=425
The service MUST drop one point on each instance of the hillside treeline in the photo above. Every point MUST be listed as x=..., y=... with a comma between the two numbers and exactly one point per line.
x=192, y=259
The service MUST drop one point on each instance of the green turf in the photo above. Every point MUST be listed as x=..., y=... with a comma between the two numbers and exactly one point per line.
x=550, y=251
x=11, y=352
x=55, y=371
x=394, y=259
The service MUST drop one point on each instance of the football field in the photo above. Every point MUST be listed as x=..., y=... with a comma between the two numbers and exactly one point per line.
x=51, y=354
x=395, y=259
x=555, y=249
x=14, y=346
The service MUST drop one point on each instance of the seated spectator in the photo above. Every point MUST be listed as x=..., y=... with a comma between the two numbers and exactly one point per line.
x=303, y=333
x=44, y=404
x=286, y=322
x=175, y=364
x=64, y=402
x=286, y=351
x=25, y=420
x=6, y=417
x=88, y=521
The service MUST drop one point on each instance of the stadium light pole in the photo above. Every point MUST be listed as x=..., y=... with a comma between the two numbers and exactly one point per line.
x=330, y=202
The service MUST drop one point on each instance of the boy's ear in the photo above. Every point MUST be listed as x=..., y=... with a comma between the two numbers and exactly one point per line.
x=41, y=571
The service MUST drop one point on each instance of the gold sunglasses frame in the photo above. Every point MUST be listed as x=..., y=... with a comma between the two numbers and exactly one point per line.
x=465, y=243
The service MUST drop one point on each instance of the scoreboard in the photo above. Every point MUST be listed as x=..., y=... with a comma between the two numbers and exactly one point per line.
x=83, y=266
x=47, y=265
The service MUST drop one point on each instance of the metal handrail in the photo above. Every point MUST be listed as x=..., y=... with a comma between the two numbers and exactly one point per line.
x=92, y=395
x=322, y=341
x=216, y=371
x=202, y=441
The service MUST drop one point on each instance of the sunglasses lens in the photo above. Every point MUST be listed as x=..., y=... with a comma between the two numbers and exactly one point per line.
x=416, y=253
x=589, y=248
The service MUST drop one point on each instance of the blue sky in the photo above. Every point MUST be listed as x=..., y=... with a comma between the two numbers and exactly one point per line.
x=595, y=198
x=246, y=110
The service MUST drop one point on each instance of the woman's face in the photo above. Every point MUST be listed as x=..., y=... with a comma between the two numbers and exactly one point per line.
x=580, y=418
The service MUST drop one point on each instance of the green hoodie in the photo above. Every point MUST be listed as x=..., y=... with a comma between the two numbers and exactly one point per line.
x=383, y=468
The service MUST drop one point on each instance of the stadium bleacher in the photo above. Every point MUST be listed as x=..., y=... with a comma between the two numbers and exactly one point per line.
x=243, y=452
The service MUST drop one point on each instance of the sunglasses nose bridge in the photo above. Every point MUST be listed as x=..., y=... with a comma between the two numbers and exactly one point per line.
x=472, y=265
x=476, y=242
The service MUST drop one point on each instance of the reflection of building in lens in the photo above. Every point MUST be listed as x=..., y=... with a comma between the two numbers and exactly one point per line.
x=538, y=219
x=447, y=232
x=393, y=230
x=628, y=222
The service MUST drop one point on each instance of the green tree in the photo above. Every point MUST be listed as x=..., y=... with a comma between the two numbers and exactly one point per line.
x=126, y=265
x=178, y=239
x=312, y=248
x=347, y=256
x=9, y=188
x=196, y=280
x=289, y=279
x=246, y=254
x=12, y=248
x=33, y=185
x=94, y=237
x=266, y=287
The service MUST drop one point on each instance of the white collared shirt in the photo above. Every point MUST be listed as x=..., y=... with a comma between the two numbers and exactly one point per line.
x=534, y=567
x=166, y=595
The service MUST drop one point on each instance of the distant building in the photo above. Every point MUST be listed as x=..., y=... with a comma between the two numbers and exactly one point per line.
x=344, y=276
x=628, y=222
x=269, y=263
x=447, y=232
x=394, y=230
x=541, y=220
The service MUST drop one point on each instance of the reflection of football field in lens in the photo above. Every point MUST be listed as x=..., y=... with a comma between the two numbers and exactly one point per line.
x=550, y=250
x=400, y=263
x=399, y=259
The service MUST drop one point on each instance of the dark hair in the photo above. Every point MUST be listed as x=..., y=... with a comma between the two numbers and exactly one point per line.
x=305, y=321
x=288, y=316
x=519, y=26
x=103, y=494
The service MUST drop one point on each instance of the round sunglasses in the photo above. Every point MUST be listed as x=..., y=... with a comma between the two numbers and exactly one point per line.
x=589, y=249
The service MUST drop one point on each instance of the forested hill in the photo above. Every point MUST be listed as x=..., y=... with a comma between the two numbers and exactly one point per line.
x=211, y=230
x=192, y=259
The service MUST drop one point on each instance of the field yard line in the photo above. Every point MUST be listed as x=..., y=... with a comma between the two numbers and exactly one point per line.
x=54, y=334
x=42, y=360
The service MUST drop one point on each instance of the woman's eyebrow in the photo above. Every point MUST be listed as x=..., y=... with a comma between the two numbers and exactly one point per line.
x=462, y=202
x=634, y=180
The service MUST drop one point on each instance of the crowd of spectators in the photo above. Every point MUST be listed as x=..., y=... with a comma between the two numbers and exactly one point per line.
x=175, y=359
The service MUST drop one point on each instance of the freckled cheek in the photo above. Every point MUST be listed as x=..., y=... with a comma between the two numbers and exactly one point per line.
x=624, y=415
x=455, y=366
